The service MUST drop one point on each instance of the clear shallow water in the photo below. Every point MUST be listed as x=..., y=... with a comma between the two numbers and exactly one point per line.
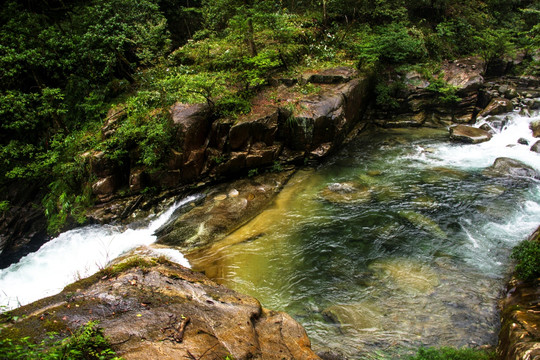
x=412, y=251
x=77, y=254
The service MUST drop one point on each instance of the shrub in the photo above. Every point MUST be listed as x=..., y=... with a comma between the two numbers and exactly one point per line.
x=527, y=256
x=87, y=343
x=447, y=353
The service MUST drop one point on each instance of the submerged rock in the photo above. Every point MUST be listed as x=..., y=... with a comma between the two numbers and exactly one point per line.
x=510, y=167
x=423, y=222
x=358, y=316
x=409, y=275
x=154, y=309
x=468, y=134
x=346, y=192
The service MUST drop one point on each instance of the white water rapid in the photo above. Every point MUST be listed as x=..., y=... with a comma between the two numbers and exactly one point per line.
x=77, y=254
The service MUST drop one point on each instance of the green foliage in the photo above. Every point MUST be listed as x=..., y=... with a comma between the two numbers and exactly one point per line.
x=492, y=43
x=391, y=44
x=527, y=256
x=446, y=92
x=447, y=353
x=87, y=343
x=257, y=67
x=385, y=95
x=4, y=206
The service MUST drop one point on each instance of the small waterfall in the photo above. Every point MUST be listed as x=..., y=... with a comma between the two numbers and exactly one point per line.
x=77, y=254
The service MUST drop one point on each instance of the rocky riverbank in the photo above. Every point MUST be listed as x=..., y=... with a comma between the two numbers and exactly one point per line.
x=519, y=338
x=154, y=309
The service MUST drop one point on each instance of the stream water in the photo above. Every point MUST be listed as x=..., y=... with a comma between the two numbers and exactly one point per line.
x=398, y=241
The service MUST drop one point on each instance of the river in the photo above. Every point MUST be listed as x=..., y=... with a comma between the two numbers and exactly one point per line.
x=400, y=240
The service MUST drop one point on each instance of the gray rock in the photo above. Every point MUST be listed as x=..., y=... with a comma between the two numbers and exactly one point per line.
x=523, y=141
x=504, y=166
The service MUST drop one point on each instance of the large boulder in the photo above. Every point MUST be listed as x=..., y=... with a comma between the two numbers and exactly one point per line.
x=469, y=134
x=497, y=106
x=510, y=167
x=155, y=309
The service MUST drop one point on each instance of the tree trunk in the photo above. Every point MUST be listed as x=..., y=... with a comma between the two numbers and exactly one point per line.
x=249, y=39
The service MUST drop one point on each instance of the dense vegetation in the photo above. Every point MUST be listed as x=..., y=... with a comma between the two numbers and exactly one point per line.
x=68, y=68
x=446, y=353
x=527, y=256
x=86, y=343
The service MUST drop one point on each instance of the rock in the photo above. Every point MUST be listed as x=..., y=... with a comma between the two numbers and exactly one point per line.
x=535, y=127
x=519, y=337
x=192, y=122
x=468, y=134
x=536, y=147
x=142, y=302
x=410, y=276
x=423, y=222
x=137, y=180
x=346, y=192
x=104, y=188
x=23, y=226
x=255, y=127
x=358, y=316
x=331, y=76
x=497, y=106
x=219, y=214
x=523, y=141
x=509, y=167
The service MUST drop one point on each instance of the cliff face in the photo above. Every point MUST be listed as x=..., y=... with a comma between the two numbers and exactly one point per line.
x=153, y=309
x=284, y=126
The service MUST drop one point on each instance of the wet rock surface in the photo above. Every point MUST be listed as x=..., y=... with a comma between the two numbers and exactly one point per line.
x=225, y=208
x=154, y=309
x=468, y=134
x=510, y=167
x=519, y=337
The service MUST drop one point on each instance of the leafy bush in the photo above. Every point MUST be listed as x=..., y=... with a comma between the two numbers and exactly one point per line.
x=527, y=256
x=446, y=92
x=447, y=353
x=87, y=343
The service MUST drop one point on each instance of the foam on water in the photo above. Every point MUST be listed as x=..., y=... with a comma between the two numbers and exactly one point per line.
x=76, y=254
x=503, y=144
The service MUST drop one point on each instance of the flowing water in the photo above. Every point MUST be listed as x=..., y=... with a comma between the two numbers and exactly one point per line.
x=399, y=241
x=77, y=254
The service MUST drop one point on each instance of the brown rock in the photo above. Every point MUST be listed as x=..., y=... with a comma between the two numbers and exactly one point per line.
x=497, y=106
x=137, y=180
x=260, y=126
x=468, y=134
x=331, y=76
x=535, y=127
x=101, y=165
x=105, y=187
x=193, y=124
x=519, y=337
x=536, y=147
x=142, y=308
